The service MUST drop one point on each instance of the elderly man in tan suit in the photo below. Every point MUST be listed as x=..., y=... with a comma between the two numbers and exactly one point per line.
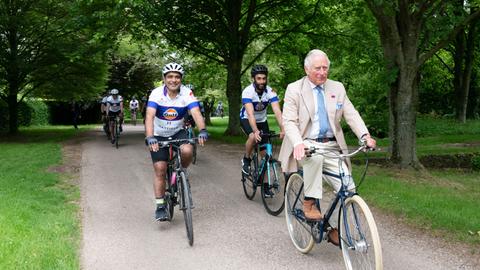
x=312, y=111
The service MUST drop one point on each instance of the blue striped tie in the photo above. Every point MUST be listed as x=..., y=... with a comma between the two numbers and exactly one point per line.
x=322, y=112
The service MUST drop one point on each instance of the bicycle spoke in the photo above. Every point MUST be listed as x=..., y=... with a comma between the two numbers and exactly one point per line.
x=359, y=236
x=299, y=230
x=273, y=188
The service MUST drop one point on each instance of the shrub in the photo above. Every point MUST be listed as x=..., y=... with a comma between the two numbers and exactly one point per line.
x=476, y=162
x=24, y=114
x=40, y=113
x=3, y=116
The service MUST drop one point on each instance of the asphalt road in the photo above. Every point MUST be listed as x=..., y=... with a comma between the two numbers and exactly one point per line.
x=231, y=232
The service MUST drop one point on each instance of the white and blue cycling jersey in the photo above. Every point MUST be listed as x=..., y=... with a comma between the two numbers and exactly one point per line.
x=114, y=103
x=260, y=103
x=170, y=111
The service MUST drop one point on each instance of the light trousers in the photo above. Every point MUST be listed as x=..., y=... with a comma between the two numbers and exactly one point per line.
x=320, y=167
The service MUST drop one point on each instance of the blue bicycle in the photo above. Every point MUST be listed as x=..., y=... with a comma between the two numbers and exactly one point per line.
x=266, y=173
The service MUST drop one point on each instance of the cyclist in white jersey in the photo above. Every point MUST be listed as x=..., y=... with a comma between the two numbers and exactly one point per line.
x=103, y=111
x=133, y=109
x=166, y=108
x=253, y=114
x=114, y=108
x=134, y=104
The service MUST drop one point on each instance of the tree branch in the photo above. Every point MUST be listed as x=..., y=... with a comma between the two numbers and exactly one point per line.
x=448, y=38
x=443, y=62
x=284, y=34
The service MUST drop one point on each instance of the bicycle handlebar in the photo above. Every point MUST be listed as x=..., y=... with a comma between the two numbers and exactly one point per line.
x=269, y=135
x=332, y=152
x=172, y=142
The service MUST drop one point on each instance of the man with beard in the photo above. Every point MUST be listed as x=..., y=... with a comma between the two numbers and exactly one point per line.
x=253, y=115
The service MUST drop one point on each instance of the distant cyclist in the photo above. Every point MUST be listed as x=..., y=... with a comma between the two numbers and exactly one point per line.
x=133, y=109
x=253, y=116
x=114, y=108
x=103, y=111
x=166, y=109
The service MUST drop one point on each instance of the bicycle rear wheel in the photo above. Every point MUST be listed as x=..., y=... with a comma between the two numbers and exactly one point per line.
x=273, y=198
x=186, y=205
x=249, y=181
x=170, y=195
x=359, y=238
x=298, y=229
x=116, y=134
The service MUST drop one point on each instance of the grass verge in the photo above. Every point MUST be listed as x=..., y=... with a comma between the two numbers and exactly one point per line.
x=443, y=202
x=39, y=226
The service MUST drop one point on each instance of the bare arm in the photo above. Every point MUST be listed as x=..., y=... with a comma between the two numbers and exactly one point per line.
x=252, y=121
x=278, y=116
x=149, y=117
x=198, y=118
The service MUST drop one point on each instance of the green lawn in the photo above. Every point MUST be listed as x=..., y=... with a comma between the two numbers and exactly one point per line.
x=39, y=224
x=446, y=201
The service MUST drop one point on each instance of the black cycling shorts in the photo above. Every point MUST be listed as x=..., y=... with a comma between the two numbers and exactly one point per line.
x=113, y=114
x=263, y=126
x=162, y=154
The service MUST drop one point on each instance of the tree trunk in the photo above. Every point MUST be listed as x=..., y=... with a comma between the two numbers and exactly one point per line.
x=403, y=100
x=234, y=89
x=458, y=59
x=208, y=107
x=400, y=47
x=12, y=113
x=473, y=108
x=464, y=59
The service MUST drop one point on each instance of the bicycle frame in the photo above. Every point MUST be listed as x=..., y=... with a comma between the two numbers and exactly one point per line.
x=320, y=227
x=265, y=161
x=174, y=163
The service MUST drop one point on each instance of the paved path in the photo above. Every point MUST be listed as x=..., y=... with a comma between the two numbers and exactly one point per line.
x=230, y=232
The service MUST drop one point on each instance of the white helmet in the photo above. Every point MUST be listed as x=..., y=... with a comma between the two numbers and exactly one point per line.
x=114, y=91
x=172, y=67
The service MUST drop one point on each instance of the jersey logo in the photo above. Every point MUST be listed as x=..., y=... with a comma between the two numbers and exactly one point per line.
x=170, y=114
x=259, y=106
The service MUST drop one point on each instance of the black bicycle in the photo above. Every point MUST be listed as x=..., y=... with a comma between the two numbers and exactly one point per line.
x=178, y=187
x=191, y=135
x=116, y=131
x=359, y=239
x=266, y=173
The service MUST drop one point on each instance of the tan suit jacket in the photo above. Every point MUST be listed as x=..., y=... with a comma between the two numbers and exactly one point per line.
x=299, y=112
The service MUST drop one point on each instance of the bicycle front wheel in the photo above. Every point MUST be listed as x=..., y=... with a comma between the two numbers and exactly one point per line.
x=194, y=161
x=249, y=181
x=117, y=131
x=359, y=238
x=298, y=229
x=186, y=205
x=273, y=188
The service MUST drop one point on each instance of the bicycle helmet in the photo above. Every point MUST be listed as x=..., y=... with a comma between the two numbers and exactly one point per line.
x=114, y=91
x=172, y=67
x=259, y=69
